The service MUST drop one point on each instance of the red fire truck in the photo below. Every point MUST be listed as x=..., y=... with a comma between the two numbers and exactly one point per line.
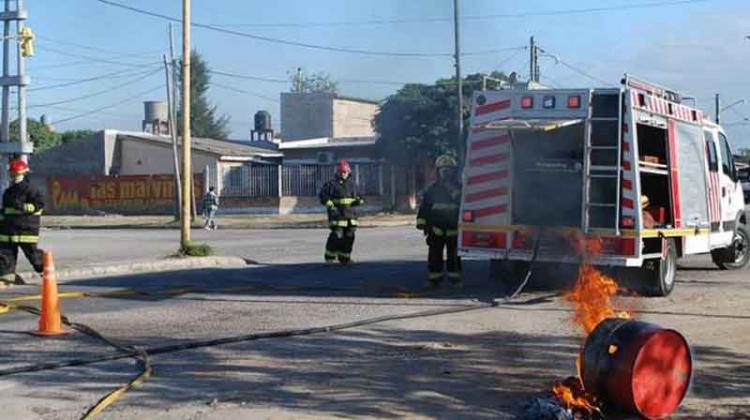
x=647, y=176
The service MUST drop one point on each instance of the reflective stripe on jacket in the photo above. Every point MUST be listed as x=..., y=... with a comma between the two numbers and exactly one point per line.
x=341, y=197
x=439, y=209
x=21, y=214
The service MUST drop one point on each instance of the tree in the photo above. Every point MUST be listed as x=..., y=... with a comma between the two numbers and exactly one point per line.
x=312, y=83
x=39, y=134
x=73, y=135
x=203, y=119
x=418, y=123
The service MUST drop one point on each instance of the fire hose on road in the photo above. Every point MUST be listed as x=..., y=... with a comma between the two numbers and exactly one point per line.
x=143, y=354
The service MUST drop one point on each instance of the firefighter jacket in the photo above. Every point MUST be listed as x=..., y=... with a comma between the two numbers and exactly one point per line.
x=22, y=211
x=438, y=213
x=341, y=197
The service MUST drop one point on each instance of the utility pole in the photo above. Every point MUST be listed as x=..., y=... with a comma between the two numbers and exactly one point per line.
x=173, y=135
x=186, y=143
x=5, y=129
x=172, y=101
x=459, y=82
x=23, y=135
x=298, y=81
x=718, y=108
x=20, y=81
x=534, y=72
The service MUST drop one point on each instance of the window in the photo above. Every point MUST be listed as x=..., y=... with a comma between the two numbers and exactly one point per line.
x=713, y=162
x=235, y=177
x=727, y=160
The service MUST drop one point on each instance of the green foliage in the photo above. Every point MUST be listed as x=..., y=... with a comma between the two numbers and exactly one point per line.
x=419, y=123
x=39, y=134
x=192, y=249
x=313, y=83
x=73, y=135
x=203, y=119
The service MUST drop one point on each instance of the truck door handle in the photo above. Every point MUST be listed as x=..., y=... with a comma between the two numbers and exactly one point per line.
x=723, y=191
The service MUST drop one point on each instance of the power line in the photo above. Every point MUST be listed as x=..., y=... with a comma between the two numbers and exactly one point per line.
x=95, y=59
x=92, y=48
x=588, y=10
x=117, y=74
x=575, y=69
x=238, y=90
x=97, y=110
x=294, y=43
x=61, y=65
x=246, y=77
x=129, y=117
x=102, y=92
x=583, y=73
x=286, y=81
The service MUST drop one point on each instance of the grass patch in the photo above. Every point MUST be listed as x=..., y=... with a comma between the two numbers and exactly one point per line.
x=193, y=249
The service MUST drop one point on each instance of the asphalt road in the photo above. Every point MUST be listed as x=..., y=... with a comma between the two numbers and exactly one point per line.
x=485, y=363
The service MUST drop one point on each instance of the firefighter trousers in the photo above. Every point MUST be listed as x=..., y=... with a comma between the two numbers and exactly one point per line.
x=452, y=264
x=340, y=243
x=9, y=257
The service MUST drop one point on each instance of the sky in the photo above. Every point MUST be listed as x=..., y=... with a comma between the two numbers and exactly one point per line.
x=697, y=47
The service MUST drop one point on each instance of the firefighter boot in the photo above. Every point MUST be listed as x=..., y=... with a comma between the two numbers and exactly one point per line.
x=434, y=280
x=455, y=280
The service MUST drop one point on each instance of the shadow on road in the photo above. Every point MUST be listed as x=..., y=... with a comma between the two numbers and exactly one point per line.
x=379, y=372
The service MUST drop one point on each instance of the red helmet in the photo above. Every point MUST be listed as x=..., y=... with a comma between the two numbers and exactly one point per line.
x=343, y=166
x=18, y=167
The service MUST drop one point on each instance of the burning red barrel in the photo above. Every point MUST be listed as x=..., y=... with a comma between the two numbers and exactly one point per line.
x=637, y=366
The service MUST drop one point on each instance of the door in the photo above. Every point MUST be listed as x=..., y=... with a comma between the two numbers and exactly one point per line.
x=731, y=192
x=713, y=181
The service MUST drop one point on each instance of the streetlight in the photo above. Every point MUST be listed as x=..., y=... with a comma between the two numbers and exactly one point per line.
x=720, y=110
x=733, y=104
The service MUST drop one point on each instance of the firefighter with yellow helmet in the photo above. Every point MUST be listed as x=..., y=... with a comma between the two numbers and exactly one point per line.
x=438, y=219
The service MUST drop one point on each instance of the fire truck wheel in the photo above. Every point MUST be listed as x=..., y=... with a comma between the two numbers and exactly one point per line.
x=661, y=273
x=737, y=255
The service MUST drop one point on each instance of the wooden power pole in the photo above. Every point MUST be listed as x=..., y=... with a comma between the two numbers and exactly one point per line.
x=185, y=213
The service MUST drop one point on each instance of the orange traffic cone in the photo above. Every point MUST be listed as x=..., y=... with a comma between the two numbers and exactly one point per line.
x=50, y=321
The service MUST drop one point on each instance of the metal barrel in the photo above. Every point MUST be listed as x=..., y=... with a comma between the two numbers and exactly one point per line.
x=636, y=366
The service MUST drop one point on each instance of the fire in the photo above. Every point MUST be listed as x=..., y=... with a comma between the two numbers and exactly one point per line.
x=592, y=300
x=580, y=402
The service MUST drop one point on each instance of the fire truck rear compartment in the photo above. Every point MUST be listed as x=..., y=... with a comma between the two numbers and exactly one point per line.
x=548, y=176
x=653, y=159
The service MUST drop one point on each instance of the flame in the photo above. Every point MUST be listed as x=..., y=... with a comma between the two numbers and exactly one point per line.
x=566, y=395
x=592, y=300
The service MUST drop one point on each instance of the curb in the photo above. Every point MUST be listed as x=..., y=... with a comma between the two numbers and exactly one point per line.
x=144, y=267
x=311, y=225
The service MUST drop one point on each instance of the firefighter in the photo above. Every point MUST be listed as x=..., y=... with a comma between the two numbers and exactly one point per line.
x=438, y=219
x=21, y=215
x=341, y=197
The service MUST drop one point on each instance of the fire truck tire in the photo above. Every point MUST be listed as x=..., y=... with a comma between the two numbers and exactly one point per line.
x=737, y=255
x=661, y=273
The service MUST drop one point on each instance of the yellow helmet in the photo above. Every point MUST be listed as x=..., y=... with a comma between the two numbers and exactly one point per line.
x=445, y=161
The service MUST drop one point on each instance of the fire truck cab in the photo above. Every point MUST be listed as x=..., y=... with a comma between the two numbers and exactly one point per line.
x=648, y=178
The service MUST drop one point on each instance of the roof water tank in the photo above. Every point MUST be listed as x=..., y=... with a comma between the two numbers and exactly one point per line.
x=263, y=121
x=155, y=110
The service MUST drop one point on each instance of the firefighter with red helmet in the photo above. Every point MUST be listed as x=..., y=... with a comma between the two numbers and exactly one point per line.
x=19, y=228
x=341, y=197
x=438, y=219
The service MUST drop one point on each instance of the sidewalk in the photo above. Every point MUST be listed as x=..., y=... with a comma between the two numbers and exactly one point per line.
x=292, y=221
